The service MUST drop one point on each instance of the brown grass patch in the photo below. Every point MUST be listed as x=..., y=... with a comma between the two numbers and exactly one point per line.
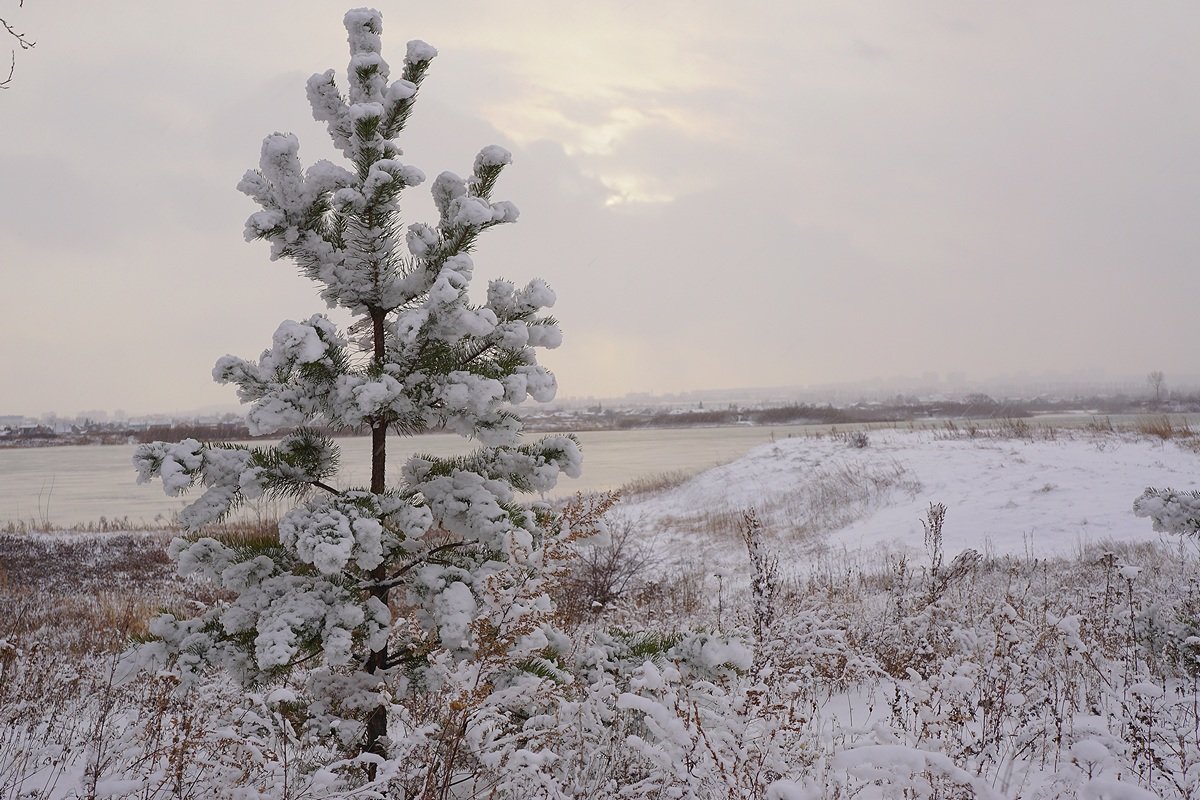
x=1162, y=428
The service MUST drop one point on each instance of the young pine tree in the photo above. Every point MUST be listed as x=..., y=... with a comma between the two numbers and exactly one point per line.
x=367, y=584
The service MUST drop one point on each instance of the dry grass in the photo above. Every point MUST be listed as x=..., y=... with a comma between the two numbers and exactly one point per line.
x=72, y=603
x=656, y=483
x=670, y=598
x=1163, y=428
x=845, y=631
x=1003, y=428
x=827, y=500
x=253, y=534
x=102, y=525
x=80, y=594
x=963, y=647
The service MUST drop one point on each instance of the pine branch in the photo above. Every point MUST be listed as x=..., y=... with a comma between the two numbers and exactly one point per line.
x=396, y=578
x=483, y=461
x=486, y=181
x=397, y=118
x=479, y=350
x=298, y=661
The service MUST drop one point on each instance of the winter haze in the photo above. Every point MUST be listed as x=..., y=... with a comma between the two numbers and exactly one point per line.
x=721, y=194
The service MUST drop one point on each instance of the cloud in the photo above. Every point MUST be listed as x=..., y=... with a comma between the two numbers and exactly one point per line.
x=721, y=195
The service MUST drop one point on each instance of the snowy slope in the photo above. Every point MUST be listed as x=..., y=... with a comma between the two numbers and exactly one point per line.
x=1005, y=496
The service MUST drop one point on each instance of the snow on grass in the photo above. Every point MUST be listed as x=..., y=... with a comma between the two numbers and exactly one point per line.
x=875, y=677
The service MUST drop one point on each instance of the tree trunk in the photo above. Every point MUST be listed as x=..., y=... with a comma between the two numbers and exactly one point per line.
x=377, y=660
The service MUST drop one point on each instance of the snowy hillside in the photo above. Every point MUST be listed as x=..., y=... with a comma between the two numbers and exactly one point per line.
x=1036, y=497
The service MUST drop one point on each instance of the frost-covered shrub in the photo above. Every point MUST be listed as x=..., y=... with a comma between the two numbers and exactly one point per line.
x=603, y=570
x=377, y=599
x=1046, y=679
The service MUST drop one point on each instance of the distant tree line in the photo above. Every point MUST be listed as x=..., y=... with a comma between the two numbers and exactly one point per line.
x=899, y=409
x=204, y=432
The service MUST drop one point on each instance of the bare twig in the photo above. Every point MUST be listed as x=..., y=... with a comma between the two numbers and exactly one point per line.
x=23, y=43
x=326, y=487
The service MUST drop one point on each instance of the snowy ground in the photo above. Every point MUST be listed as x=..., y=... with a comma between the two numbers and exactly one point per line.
x=821, y=496
x=881, y=678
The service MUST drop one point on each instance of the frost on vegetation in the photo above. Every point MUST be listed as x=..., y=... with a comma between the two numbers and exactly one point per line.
x=1011, y=678
x=1171, y=511
x=373, y=597
x=402, y=641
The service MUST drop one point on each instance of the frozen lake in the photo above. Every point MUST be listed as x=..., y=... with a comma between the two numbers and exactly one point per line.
x=78, y=485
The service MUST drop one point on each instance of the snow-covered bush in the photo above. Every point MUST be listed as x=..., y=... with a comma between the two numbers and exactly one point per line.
x=431, y=588
x=604, y=570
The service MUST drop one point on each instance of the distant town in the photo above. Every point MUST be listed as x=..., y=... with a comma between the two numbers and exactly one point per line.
x=642, y=411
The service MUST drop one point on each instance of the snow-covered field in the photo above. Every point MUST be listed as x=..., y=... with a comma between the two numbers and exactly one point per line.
x=1062, y=662
x=1038, y=497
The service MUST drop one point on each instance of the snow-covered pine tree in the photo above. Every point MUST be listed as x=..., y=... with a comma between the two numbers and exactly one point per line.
x=364, y=583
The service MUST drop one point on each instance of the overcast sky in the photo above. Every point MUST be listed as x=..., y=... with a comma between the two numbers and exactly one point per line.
x=722, y=194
